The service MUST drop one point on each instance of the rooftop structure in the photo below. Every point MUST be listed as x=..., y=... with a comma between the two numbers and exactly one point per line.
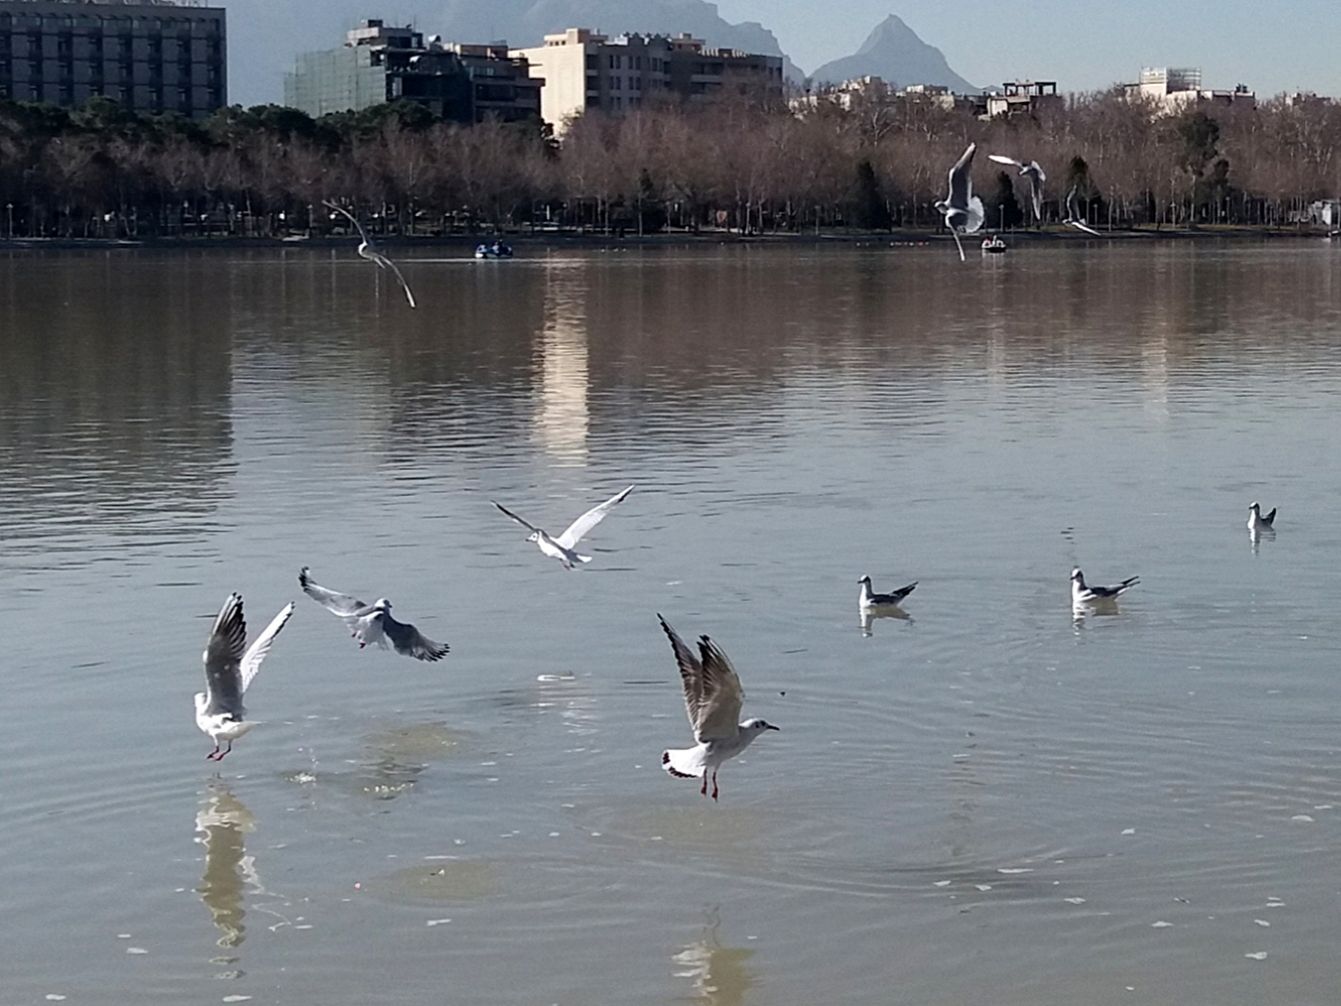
x=1173, y=89
x=584, y=70
x=148, y=56
x=380, y=63
x=1022, y=97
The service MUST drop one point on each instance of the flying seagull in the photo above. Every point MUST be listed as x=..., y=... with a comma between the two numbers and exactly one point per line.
x=962, y=210
x=870, y=599
x=712, y=697
x=1074, y=218
x=1082, y=593
x=1258, y=521
x=1034, y=172
x=366, y=250
x=230, y=666
x=372, y=623
x=561, y=548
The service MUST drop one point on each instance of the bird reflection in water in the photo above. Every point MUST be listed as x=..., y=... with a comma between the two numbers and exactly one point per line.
x=870, y=615
x=721, y=975
x=1258, y=535
x=230, y=874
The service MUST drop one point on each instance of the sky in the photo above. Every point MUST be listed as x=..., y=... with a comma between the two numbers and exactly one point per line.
x=1285, y=45
x=1084, y=45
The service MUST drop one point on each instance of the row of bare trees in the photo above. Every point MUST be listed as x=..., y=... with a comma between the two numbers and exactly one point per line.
x=745, y=164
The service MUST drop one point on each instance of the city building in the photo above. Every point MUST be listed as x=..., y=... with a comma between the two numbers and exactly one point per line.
x=380, y=63
x=586, y=70
x=861, y=92
x=150, y=56
x=1173, y=89
x=1022, y=97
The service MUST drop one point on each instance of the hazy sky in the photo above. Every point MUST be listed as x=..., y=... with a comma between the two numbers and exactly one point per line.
x=1284, y=45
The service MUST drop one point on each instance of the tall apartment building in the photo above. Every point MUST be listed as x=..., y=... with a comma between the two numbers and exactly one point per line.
x=586, y=70
x=1173, y=89
x=150, y=55
x=380, y=63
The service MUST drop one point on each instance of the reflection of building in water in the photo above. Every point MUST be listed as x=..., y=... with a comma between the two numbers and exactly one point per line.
x=221, y=823
x=721, y=975
x=561, y=417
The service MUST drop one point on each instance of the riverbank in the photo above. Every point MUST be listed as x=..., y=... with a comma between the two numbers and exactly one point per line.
x=592, y=239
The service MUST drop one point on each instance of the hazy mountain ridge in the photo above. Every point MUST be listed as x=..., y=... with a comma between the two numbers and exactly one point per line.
x=895, y=52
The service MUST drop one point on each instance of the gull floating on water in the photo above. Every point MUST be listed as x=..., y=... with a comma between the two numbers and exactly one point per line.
x=372, y=623
x=712, y=697
x=230, y=666
x=962, y=210
x=870, y=599
x=1083, y=593
x=1034, y=172
x=366, y=250
x=1074, y=218
x=1258, y=521
x=561, y=548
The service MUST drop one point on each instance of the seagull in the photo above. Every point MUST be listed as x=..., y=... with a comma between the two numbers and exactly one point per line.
x=870, y=599
x=366, y=250
x=372, y=623
x=962, y=210
x=1074, y=216
x=1034, y=172
x=230, y=666
x=1082, y=593
x=561, y=548
x=1257, y=521
x=712, y=697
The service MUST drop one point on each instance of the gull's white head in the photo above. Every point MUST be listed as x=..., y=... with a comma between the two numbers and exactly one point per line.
x=941, y=205
x=1254, y=506
x=382, y=604
x=533, y=536
x=866, y=579
x=756, y=726
x=200, y=703
x=1077, y=576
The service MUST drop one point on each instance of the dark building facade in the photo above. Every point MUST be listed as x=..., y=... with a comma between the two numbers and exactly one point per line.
x=147, y=56
x=380, y=63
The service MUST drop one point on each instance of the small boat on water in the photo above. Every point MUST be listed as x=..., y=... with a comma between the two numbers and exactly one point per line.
x=496, y=250
x=993, y=245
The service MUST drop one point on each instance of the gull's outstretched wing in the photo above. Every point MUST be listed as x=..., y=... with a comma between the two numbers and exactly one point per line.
x=363, y=235
x=1036, y=179
x=336, y=603
x=223, y=655
x=961, y=179
x=524, y=523
x=256, y=652
x=958, y=244
x=574, y=532
x=1003, y=159
x=409, y=641
x=386, y=263
x=712, y=692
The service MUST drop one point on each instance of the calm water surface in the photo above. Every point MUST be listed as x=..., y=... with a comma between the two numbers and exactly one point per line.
x=987, y=801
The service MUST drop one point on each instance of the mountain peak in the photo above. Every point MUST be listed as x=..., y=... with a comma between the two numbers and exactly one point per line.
x=894, y=52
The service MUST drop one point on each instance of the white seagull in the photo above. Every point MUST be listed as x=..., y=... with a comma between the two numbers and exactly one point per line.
x=1083, y=594
x=1074, y=218
x=962, y=210
x=870, y=599
x=230, y=666
x=1258, y=521
x=1034, y=172
x=366, y=250
x=712, y=697
x=561, y=548
x=372, y=623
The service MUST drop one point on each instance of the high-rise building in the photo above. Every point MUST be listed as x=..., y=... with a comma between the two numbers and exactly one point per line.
x=380, y=63
x=149, y=55
x=586, y=70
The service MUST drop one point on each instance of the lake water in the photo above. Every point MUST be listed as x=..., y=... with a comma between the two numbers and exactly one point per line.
x=987, y=802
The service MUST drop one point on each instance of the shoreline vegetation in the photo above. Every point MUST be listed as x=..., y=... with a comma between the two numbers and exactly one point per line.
x=744, y=167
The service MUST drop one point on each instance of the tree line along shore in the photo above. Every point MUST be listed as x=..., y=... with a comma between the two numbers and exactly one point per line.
x=745, y=165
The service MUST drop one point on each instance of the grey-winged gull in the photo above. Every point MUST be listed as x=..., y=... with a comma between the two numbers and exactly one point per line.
x=562, y=547
x=373, y=623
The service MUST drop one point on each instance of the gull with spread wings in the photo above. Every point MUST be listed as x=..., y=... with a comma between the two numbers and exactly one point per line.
x=367, y=251
x=372, y=623
x=230, y=667
x=962, y=210
x=712, y=697
x=562, y=547
x=1032, y=171
x=1074, y=217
